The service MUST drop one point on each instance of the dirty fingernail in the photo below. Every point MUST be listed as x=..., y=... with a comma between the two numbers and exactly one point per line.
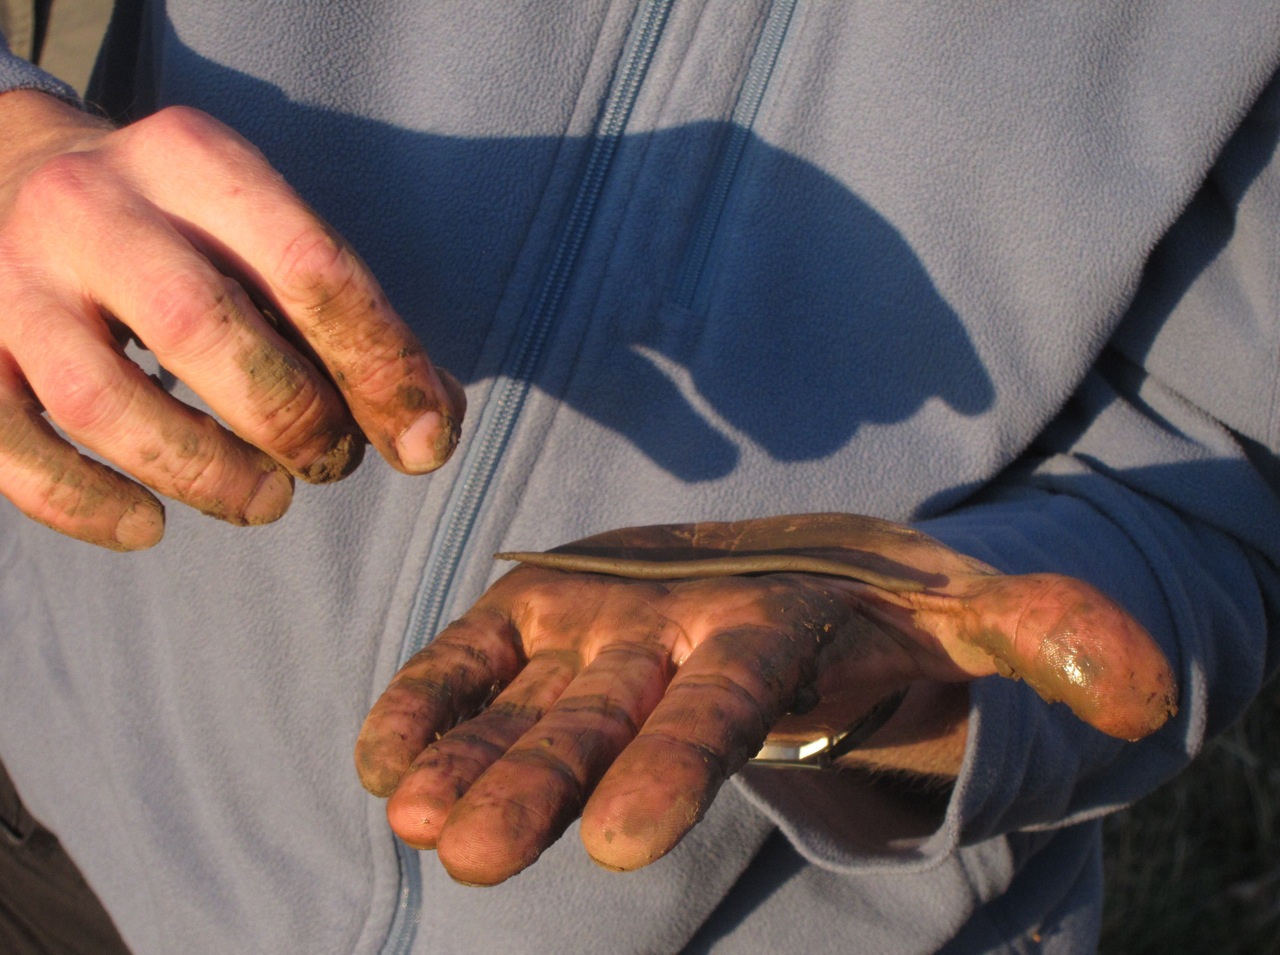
x=271, y=499
x=141, y=526
x=341, y=459
x=428, y=442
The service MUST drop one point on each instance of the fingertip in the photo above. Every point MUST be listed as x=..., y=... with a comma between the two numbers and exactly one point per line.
x=650, y=798
x=377, y=780
x=614, y=851
x=457, y=394
x=340, y=460
x=487, y=846
x=141, y=526
x=1074, y=644
x=270, y=499
x=1119, y=680
x=417, y=817
x=431, y=438
x=380, y=763
x=627, y=837
x=428, y=442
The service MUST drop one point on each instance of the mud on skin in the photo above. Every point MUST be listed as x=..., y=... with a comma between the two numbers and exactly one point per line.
x=383, y=753
x=623, y=831
x=1090, y=655
x=342, y=458
x=278, y=372
x=75, y=486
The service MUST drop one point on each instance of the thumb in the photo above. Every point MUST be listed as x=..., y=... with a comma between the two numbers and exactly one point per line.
x=1071, y=643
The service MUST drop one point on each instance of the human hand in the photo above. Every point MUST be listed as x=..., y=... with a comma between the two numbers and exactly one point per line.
x=176, y=232
x=631, y=701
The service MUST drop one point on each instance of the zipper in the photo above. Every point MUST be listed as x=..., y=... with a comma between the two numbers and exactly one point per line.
x=507, y=398
x=759, y=72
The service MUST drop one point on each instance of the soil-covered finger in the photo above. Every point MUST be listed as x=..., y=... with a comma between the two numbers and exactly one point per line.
x=317, y=283
x=453, y=678
x=447, y=768
x=657, y=791
x=47, y=479
x=401, y=403
x=714, y=717
x=527, y=798
x=106, y=403
x=1072, y=643
x=203, y=327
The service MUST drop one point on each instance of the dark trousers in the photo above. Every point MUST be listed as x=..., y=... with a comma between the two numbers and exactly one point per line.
x=45, y=906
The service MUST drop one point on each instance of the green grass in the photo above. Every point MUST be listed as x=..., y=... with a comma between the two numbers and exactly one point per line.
x=1195, y=867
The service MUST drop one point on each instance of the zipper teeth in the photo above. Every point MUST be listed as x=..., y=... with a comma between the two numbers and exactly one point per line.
x=507, y=400
x=404, y=922
x=763, y=60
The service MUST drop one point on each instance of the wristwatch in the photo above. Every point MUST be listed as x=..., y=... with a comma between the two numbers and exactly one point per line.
x=820, y=750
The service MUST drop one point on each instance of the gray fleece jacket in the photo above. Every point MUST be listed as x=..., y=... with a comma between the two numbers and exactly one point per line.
x=1009, y=271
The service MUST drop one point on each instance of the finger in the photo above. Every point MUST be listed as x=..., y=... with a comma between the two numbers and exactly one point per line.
x=200, y=324
x=104, y=401
x=229, y=195
x=714, y=717
x=1072, y=643
x=1068, y=641
x=451, y=679
x=527, y=798
x=457, y=396
x=446, y=769
x=51, y=482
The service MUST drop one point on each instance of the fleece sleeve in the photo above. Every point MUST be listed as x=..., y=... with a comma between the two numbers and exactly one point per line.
x=1159, y=483
x=18, y=74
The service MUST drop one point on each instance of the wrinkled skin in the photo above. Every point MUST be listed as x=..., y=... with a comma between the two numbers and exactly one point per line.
x=176, y=233
x=629, y=702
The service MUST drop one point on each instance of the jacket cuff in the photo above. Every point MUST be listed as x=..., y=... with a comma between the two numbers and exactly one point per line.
x=1028, y=764
x=18, y=74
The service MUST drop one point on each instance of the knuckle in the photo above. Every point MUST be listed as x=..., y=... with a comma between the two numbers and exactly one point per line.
x=23, y=288
x=196, y=317
x=382, y=379
x=716, y=761
x=183, y=120
x=199, y=472
x=562, y=778
x=65, y=180
x=344, y=312
x=457, y=654
x=728, y=697
x=299, y=427
x=84, y=395
x=509, y=713
x=475, y=744
x=49, y=481
x=176, y=128
x=318, y=269
x=294, y=419
x=410, y=696
x=198, y=138
x=598, y=714
x=187, y=308
x=69, y=495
